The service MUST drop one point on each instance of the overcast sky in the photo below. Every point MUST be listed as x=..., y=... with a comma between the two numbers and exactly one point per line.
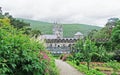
x=94, y=12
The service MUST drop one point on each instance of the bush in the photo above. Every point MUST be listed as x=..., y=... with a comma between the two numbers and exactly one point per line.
x=61, y=56
x=20, y=55
x=77, y=62
x=117, y=55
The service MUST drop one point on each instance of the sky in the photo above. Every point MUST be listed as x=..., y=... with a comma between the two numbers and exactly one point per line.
x=92, y=12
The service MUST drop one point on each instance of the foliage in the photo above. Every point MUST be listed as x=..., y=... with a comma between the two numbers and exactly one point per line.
x=114, y=65
x=116, y=55
x=69, y=29
x=78, y=46
x=84, y=50
x=61, y=56
x=35, y=33
x=4, y=21
x=88, y=50
x=20, y=55
x=18, y=24
x=103, y=36
x=91, y=33
x=79, y=56
x=100, y=55
x=116, y=36
x=15, y=22
x=84, y=69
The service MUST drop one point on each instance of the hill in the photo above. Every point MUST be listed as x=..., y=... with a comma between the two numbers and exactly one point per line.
x=68, y=29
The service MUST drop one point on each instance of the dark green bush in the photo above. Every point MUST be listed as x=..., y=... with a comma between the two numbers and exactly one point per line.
x=77, y=62
x=117, y=55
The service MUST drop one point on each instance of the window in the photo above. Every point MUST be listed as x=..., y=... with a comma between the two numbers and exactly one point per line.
x=69, y=45
x=58, y=45
x=63, y=45
x=55, y=44
x=50, y=45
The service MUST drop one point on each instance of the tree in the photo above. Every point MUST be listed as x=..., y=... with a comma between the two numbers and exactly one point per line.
x=116, y=55
x=78, y=47
x=19, y=24
x=91, y=33
x=100, y=55
x=88, y=50
x=116, y=36
x=35, y=33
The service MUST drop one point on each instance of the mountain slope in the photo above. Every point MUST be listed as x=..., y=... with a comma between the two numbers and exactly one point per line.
x=68, y=29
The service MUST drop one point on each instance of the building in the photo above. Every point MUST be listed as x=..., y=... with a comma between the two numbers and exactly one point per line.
x=57, y=44
x=78, y=35
x=0, y=10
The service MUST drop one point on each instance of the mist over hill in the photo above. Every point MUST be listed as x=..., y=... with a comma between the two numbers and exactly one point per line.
x=68, y=29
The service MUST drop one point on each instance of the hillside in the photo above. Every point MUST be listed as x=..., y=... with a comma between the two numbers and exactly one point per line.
x=68, y=29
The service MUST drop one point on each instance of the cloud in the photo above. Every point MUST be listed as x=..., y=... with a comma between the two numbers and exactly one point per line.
x=94, y=12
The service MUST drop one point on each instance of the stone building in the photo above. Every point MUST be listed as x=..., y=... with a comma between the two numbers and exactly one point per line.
x=0, y=10
x=56, y=43
x=57, y=30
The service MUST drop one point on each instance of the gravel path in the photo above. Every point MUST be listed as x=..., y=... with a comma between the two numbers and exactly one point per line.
x=66, y=69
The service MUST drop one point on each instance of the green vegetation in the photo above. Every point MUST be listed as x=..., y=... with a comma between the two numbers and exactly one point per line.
x=99, y=46
x=87, y=51
x=22, y=55
x=84, y=69
x=115, y=36
x=114, y=65
x=108, y=36
x=17, y=23
x=68, y=29
x=35, y=33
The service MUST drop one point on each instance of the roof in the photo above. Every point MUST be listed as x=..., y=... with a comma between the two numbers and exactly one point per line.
x=78, y=33
x=49, y=36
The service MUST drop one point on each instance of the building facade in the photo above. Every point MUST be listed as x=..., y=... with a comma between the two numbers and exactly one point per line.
x=57, y=44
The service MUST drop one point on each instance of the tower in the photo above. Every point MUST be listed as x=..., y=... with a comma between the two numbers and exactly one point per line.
x=0, y=10
x=58, y=30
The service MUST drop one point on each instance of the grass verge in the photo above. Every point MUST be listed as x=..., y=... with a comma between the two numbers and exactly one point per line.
x=83, y=69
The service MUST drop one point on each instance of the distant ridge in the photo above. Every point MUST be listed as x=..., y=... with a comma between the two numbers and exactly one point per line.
x=68, y=29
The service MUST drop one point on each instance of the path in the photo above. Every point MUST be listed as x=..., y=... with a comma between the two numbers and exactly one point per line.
x=66, y=69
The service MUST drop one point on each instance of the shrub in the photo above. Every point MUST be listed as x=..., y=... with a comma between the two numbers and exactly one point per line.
x=61, y=56
x=117, y=55
x=20, y=55
x=77, y=62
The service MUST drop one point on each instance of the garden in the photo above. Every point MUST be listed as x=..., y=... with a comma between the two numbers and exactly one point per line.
x=98, y=53
x=19, y=53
